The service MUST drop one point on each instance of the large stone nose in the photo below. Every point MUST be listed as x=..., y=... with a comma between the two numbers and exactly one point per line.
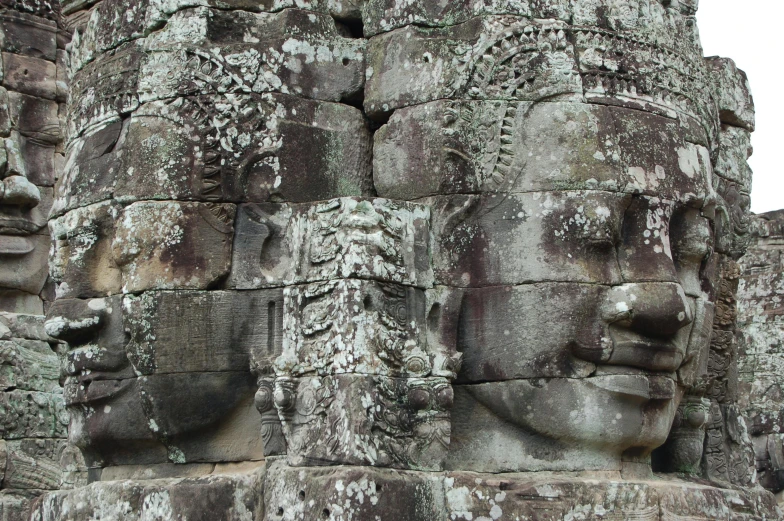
x=73, y=320
x=18, y=191
x=655, y=309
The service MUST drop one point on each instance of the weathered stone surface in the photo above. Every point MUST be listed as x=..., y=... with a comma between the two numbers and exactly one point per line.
x=29, y=365
x=554, y=202
x=760, y=346
x=223, y=330
x=171, y=245
x=364, y=420
x=652, y=15
x=32, y=414
x=28, y=75
x=356, y=493
x=736, y=105
x=257, y=153
x=734, y=150
x=416, y=65
x=348, y=237
x=28, y=35
x=82, y=264
x=33, y=464
x=267, y=52
x=232, y=497
x=498, y=146
x=351, y=494
x=294, y=52
x=353, y=326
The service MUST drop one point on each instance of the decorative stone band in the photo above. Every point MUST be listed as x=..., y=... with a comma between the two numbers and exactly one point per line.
x=513, y=58
x=664, y=19
x=377, y=239
x=355, y=419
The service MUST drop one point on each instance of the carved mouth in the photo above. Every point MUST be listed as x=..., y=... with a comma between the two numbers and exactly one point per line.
x=645, y=386
x=15, y=244
x=16, y=226
x=89, y=391
x=650, y=354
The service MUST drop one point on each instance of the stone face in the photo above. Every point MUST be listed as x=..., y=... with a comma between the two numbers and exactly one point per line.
x=461, y=260
x=33, y=419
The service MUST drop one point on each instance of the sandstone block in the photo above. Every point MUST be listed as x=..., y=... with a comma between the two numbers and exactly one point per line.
x=340, y=238
x=28, y=75
x=194, y=331
x=34, y=117
x=233, y=497
x=736, y=105
x=29, y=365
x=32, y=414
x=254, y=154
x=506, y=331
x=514, y=239
x=415, y=65
x=171, y=245
x=28, y=35
x=352, y=326
x=734, y=151
x=33, y=464
x=24, y=263
x=351, y=494
x=295, y=52
x=258, y=157
x=496, y=146
x=82, y=264
x=365, y=420
x=103, y=90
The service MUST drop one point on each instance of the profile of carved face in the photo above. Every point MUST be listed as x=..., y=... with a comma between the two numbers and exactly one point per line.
x=23, y=248
x=161, y=340
x=24, y=206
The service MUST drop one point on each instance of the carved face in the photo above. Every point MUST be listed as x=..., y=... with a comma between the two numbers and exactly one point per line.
x=589, y=286
x=24, y=243
x=155, y=375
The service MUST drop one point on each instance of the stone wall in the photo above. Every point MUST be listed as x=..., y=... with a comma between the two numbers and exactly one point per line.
x=761, y=339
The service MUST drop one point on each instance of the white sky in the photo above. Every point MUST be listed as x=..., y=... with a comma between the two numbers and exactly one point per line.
x=750, y=33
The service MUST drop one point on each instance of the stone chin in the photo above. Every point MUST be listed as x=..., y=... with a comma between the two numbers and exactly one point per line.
x=617, y=412
x=601, y=415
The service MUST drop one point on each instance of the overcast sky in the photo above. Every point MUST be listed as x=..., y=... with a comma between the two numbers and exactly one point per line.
x=750, y=33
